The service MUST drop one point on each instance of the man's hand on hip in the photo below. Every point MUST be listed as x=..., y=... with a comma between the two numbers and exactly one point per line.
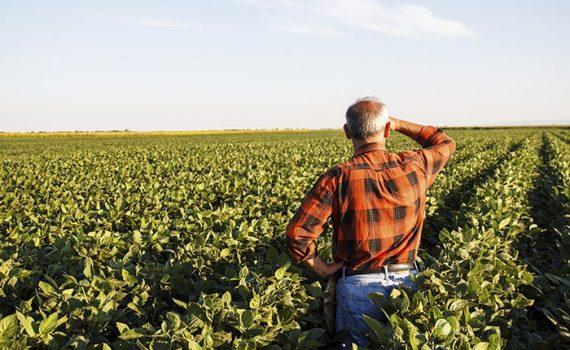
x=321, y=267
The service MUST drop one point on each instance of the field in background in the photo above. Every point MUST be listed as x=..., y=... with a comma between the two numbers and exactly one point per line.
x=146, y=133
x=173, y=239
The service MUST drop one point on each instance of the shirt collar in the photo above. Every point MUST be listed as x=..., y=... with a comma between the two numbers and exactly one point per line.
x=368, y=147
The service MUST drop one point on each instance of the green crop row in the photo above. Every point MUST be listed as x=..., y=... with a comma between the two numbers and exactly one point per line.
x=455, y=185
x=548, y=252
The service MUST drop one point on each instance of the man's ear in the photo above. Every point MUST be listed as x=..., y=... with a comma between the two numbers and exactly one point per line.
x=347, y=132
x=387, y=130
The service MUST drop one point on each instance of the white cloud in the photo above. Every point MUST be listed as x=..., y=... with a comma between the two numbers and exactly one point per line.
x=333, y=17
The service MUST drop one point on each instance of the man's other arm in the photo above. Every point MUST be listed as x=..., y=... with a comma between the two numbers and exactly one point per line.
x=308, y=224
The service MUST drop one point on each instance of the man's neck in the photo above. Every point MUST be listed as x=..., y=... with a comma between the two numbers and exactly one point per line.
x=379, y=140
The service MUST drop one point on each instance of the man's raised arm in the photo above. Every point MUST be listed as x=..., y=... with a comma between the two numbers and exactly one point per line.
x=437, y=146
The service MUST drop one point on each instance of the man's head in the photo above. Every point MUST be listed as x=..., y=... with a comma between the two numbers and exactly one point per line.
x=367, y=120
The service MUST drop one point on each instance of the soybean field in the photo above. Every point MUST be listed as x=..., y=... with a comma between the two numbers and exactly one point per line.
x=176, y=241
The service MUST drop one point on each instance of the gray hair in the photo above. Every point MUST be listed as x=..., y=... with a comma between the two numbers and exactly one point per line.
x=366, y=117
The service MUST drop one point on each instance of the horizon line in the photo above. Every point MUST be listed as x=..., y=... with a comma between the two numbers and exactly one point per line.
x=245, y=130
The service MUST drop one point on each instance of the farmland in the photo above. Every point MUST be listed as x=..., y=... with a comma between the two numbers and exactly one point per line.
x=160, y=241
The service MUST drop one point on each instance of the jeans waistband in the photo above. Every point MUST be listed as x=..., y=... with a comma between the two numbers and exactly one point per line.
x=383, y=269
x=378, y=276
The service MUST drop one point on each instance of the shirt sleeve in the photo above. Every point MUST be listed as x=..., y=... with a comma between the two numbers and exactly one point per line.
x=437, y=149
x=310, y=219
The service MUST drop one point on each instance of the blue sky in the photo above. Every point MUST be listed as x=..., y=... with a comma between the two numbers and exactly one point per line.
x=237, y=64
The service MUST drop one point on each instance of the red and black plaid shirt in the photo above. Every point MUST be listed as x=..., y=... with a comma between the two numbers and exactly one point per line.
x=376, y=201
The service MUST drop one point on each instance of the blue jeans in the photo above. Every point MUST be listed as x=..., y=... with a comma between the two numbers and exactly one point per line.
x=352, y=300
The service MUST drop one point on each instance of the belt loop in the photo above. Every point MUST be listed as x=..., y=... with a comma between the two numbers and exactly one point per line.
x=343, y=273
x=385, y=268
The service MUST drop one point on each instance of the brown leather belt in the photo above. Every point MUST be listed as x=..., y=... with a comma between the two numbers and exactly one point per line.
x=382, y=269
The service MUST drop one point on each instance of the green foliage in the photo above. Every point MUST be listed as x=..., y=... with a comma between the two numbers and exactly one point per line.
x=177, y=242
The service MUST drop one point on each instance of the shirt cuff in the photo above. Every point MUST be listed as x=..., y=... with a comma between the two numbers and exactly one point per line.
x=299, y=252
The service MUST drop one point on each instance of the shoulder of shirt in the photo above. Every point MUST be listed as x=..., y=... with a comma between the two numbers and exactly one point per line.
x=333, y=172
x=394, y=160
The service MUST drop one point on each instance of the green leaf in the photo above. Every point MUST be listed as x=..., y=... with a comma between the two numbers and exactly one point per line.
x=286, y=315
x=458, y=305
x=315, y=289
x=180, y=303
x=550, y=316
x=225, y=252
x=88, y=270
x=454, y=322
x=280, y=272
x=442, y=328
x=127, y=277
x=481, y=346
x=255, y=302
x=46, y=287
x=192, y=345
x=137, y=237
x=244, y=344
x=374, y=325
x=9, y=326
x=466, y=315
x=395, y=293
x=494, y=342
x=308, y=339
x=377, y=299
x=174, y=319
x=122, y=327
x=527, y=277
x=133, y=334
x=412, y=338
x=49, y=324
x=227, y=298
x=405, y=302
x=504, y=223
x=28, y=323
x=464, y=345
x=246, y=319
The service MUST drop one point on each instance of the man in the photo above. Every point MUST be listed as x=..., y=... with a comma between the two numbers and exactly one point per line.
x=376, y=201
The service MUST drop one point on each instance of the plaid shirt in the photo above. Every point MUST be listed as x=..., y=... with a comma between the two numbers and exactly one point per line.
x=376, y=201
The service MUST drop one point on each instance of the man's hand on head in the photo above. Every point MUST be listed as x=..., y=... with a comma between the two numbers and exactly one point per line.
x=393, y=123
x=321, y=267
